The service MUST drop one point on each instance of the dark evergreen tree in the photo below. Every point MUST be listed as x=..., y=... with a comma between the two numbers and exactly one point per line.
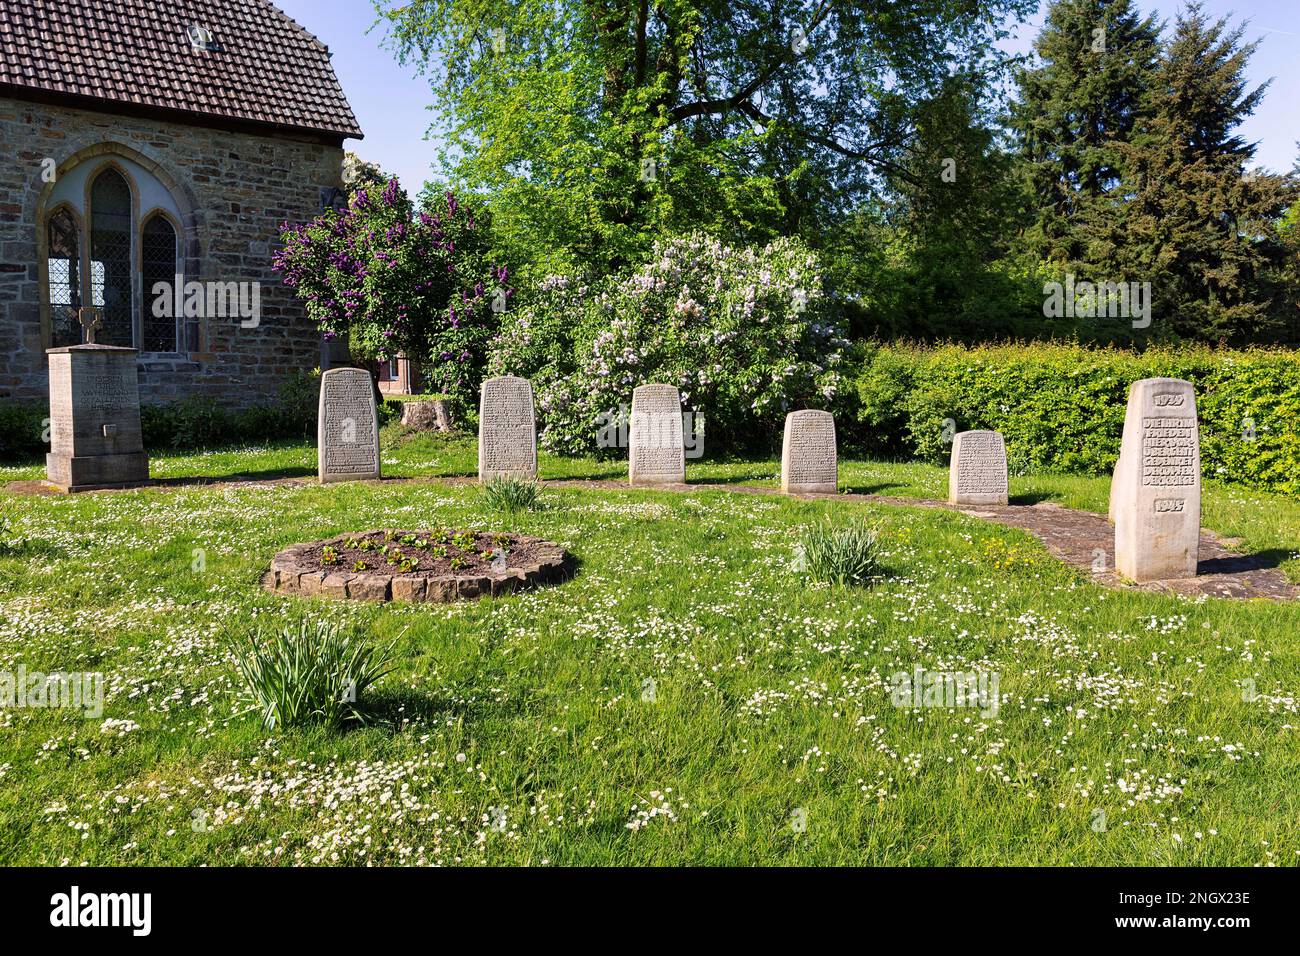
x=1095, y=60
x=1192, y=216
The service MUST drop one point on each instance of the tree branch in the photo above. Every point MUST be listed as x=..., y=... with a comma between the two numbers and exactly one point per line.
x=725, y=104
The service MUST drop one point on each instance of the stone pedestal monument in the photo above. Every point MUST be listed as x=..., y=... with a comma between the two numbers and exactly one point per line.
x=977, y=474
x=347, y=430
x=808, y=461
x=95, y=438
x=1156, y=494
x=656, y=450
x=507, y=429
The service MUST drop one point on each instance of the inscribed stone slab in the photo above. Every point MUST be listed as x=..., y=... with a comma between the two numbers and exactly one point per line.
x=808, y=460
x=507, y=429
x=95, y=435
x=977, y=472
x=347, y=435
x=656, y=453
x=1157, y=486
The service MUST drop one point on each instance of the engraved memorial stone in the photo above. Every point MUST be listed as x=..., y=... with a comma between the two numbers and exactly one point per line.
x=977, y=473
x=507, y=429
x=347, y=436
x=808, y=461
x=1156, y=495
x=656, y=453
x=95, y=437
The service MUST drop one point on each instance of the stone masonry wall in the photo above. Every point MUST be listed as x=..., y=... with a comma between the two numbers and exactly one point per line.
x=238, y=188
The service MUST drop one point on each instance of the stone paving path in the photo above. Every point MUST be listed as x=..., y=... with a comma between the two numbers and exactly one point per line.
x=1069, y=535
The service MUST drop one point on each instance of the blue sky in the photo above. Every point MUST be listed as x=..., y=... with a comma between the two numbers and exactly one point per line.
x=391, y=102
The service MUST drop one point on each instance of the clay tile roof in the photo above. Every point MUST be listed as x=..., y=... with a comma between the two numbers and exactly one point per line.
x=265, y=68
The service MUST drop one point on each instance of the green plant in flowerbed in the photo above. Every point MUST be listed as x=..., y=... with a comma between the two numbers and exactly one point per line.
x=307, y=673
x=505, y=493
x=841, y=555
x=435, y=551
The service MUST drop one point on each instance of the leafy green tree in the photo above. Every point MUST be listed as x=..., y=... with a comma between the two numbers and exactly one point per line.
x=593, y=126
x=1193, y=217
x=924, y=263
x=1077, y=104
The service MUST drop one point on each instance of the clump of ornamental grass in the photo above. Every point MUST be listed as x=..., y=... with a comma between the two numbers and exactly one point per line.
x=840, y=555
x=307, y=673
x=505, y=493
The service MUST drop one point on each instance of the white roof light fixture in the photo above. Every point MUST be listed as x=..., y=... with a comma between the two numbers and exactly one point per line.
x=201, y=38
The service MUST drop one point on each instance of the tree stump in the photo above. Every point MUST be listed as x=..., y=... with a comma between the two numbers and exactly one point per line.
x=429, y=416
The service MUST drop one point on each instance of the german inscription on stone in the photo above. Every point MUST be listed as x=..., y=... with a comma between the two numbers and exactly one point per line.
x=95, y=436
x=507, y=429
x=656, y=454
x=808, y=460
x=977, y=473
x=1156, y=497
x=347, y=437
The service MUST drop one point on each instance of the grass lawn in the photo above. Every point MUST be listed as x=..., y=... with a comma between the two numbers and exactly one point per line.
x=687, y=698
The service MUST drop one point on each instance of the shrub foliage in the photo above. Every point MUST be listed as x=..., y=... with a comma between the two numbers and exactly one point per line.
x=744, y=334
x=1062, y=408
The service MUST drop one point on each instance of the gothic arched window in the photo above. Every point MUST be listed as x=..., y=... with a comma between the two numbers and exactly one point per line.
x=63, y=263
x=114, y=234
x=157, y=264
x=111, y=211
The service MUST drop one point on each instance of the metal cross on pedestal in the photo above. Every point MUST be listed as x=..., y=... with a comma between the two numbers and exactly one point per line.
x=90, y=321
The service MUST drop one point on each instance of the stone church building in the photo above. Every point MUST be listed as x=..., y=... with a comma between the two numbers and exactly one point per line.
x=148, y=139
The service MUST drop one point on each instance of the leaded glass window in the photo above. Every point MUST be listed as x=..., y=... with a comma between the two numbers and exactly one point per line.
x=64, y=275
x=110, y=256
x=158, y=264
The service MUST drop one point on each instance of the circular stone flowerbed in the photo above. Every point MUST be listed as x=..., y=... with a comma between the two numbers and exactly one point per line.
x=440, y=565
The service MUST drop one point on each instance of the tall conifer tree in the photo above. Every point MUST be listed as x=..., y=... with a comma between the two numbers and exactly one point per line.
x=1192, y=216
x=1096, y=59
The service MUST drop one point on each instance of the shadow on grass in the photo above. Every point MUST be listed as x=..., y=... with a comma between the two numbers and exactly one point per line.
x=31, y=548
x=876, y=489
x=269, y=474
x=1241, y=563
x=733, y=480
x=393, y=708
x=1031, y=497
x=604, y=474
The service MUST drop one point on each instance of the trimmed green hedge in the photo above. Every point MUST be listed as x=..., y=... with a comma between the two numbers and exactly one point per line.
x=1061, y=407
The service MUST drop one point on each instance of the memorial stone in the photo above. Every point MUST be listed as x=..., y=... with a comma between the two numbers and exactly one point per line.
x=808, y=460
x=95, y=436
x=656, y=452
x=507, y=429
x=347, y=435
x=977, y=473
x=1157, y=487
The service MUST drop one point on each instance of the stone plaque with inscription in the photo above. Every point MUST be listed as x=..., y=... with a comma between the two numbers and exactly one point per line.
x=808, y=461
x=656, y=452
x=1156, y=495
x=347, y=432
x=977, y=474
x=507, y=429
x=95, y=437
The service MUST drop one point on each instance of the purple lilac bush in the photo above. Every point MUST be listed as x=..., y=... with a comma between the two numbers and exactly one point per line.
x=401, y=282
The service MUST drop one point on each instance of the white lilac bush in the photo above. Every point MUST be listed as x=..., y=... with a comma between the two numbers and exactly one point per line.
x=745, y=334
